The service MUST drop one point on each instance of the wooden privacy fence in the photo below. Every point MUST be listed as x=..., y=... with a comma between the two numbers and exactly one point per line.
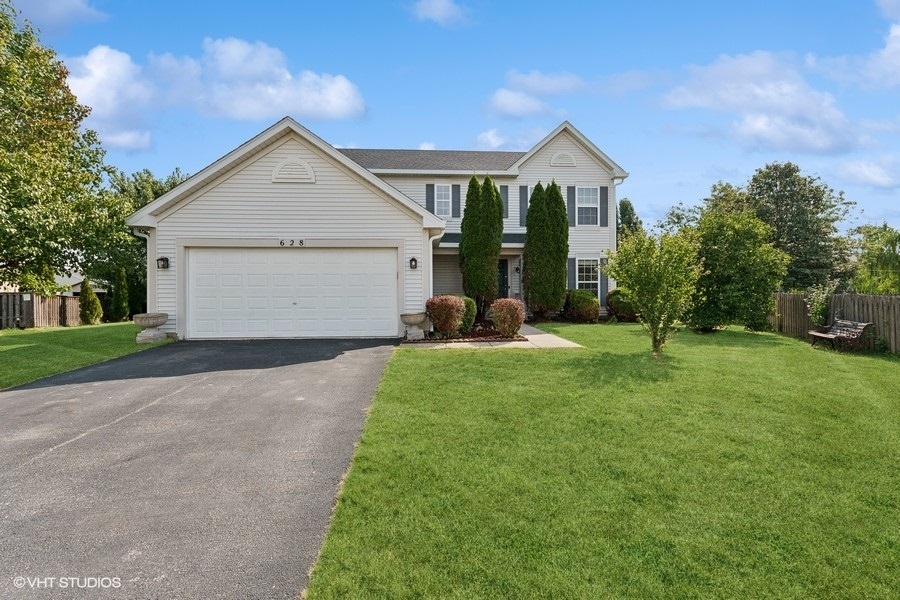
x=28, y=310
x=791, y=317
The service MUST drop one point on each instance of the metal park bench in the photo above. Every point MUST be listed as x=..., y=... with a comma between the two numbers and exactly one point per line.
x=846, y=332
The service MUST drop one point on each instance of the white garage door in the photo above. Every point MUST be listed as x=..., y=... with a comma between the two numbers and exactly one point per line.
x=292, y=292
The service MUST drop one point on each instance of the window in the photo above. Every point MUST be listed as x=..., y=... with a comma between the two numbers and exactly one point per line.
x=442, y=203
x=587, y=205
x=588, y=277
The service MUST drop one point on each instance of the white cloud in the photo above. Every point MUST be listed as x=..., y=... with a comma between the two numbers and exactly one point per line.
x=117, y=91
x=775, y=107
x=516, y=104
x=427, y=146
x=442, y=12
x=57, y=15
x=880, y=174
x=890, y=9
x=232, y=78
x=883, y=67
x=490, y=140
x=535, y=82
x=242, y=80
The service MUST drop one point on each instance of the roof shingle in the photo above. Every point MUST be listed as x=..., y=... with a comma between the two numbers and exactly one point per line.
x=433, y=160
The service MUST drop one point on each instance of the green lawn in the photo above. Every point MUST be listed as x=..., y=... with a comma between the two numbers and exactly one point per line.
x=737, y=466
x=34, y=353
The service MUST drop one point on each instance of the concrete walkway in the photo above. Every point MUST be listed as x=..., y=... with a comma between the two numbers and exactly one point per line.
x=536, y=339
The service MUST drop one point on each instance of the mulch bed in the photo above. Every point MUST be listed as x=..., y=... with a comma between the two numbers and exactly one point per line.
x=482, y=332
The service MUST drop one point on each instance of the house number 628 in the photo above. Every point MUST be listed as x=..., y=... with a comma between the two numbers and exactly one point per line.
x=290, y=243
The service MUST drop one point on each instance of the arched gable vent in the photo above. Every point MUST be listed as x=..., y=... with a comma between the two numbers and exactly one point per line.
x=293, y=170
x=562, y=159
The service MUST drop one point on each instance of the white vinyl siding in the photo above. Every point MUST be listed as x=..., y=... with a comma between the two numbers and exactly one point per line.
x=245, y=204
x=447, y=276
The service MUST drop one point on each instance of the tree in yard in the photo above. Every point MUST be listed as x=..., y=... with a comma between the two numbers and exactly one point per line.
x=546, y=248
x=118, y=308
x=54, y=216
x=89, y=308
x=878, y=259
x=657, y=276
x=628, y=221
x=740, y=272
x=803, y=213
x=480, y=242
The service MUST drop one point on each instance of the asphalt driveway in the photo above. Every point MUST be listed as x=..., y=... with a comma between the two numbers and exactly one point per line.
x=192, y=470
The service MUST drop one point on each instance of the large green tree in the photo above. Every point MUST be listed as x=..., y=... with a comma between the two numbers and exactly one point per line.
x=878, y=259
x=740, y=271
x=627, y=220
x=657, y=276
x=54, y=215
x=803, y=213
x=481, y=241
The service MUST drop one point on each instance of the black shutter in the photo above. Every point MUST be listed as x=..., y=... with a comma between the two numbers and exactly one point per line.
x=455, y=201
x=604, y=283
x=523, y=204
x=573, y=283
x=570, y=204
x=429, y=197
x=504, y=194
x=604, y=206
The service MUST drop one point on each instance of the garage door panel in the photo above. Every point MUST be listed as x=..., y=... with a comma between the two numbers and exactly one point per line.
x=264, y=292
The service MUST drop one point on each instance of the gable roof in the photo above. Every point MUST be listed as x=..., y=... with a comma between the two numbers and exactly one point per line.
x=147, y=215
x=586, y=144
x=432, y=160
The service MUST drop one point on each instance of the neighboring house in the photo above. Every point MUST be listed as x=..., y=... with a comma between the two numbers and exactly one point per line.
x=72, y=282
x=287, y=236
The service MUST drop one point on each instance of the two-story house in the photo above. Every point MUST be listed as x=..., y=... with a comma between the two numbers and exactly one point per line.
x=287, y=236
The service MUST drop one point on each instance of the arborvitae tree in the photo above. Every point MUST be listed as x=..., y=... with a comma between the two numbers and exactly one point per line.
x=89, y=308
x=546, y=250
x=535, y=267
x=480, y=243
x=118, y=308
x=559, y=244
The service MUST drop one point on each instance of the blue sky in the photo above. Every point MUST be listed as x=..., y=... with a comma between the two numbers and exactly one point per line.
x=681, y=95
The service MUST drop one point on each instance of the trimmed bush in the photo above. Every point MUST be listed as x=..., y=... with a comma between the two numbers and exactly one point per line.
x=619, y=307
x=581, y=306
x=509, y=314
x=469, y=316
x=89, y=309
x=446, y=313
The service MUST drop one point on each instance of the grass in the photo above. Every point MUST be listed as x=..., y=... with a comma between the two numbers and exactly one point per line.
x=737, y=465
x=31, y=354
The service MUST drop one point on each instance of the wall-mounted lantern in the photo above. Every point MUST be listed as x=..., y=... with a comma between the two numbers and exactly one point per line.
x=413, y=263
x=162, y=262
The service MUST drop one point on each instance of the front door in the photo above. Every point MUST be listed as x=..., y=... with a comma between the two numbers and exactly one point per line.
x=503, y=278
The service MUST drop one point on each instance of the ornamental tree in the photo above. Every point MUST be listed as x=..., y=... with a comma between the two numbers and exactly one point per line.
x=657, y=276
x=628, y=221
x=546, y=249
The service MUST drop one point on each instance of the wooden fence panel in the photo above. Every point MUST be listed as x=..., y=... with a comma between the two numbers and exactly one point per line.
x=791, y=317
x=28, y=310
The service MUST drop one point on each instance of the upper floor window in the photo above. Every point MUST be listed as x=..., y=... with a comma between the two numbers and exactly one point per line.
x=442, y=202
x=587, y=205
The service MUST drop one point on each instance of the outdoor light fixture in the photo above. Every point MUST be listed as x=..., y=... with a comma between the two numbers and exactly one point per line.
x=413, y=263
x=518, y=270
x=162, y=262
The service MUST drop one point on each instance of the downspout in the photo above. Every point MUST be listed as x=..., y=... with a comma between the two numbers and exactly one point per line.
x=151, y=298
x=431, y=263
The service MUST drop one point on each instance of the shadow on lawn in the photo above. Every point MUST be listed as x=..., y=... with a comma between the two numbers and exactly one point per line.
x=602, y=368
